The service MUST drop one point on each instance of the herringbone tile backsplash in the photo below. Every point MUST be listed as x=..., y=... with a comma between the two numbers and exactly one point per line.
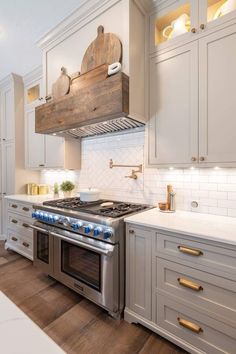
x=213, y=189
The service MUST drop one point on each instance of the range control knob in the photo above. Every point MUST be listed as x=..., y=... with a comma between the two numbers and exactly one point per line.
x=54, y=218
x=45, y=217
x=87, y=229
x=33, y=215
x=76, y=225
x=107, y=234
x=97, y=231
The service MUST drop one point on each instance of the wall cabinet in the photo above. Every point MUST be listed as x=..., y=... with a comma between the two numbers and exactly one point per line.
x=43, y=151
x=192, y=103
x=181, y=21
x=173, y=122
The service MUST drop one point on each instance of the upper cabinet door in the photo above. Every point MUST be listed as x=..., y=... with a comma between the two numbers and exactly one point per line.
x=215, y=12
x=217, y=103
x=34, y=143
x=173, y=138
x=7, y=114
x=175, y=23
x=54, y=152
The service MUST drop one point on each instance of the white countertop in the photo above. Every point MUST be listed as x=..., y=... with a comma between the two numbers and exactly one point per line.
x=211, y=227
x=19, y=334
x=32, y=199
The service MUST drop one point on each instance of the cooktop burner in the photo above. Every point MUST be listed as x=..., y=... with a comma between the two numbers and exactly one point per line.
x=106, y=208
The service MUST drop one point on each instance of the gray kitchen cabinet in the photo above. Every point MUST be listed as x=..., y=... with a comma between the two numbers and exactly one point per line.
x=40, y=148
x=182, y=287
x=192, y=85
x=173, y=122
x=138, y=263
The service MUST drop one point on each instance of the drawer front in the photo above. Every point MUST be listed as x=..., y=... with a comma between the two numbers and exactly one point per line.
x=199, y=330
x=21, y=208
x=20, y=224
x=186, y=251
x=210, y=292
x=20, y=242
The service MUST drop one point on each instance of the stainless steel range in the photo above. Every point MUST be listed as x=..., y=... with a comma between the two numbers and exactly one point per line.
x=81, y=244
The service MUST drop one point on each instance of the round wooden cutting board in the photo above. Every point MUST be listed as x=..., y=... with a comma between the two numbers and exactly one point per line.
x=105, y=49
x=62, y=86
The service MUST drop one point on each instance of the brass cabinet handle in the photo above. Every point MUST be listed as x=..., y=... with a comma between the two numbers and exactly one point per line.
x=14, y=221
x=41, y=165
x=189, y=284
x=14, y=206
x=193, y=30
x=25, y=209
x=25, y=244
x=131, y=231
x=25, y=225
x=189, y=325
x=202, y=26
x=14, y=238
x=193, y=159
x=202, y=158
x=191, y=251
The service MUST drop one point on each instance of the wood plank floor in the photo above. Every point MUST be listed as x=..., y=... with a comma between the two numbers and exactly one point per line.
x=73, y=322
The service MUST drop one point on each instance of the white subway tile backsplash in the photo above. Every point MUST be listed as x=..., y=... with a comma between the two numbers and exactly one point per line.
x=213, y=189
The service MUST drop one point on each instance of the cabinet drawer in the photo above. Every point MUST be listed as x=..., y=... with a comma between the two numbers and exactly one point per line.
x=210, y=292
x=199, y=254
x=199, y=330
x=20, y=243
x=21, y=208
x=20, y=224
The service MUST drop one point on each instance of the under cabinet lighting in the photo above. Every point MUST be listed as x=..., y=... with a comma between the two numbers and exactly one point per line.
x=192, y=168
x=216, y=168
x=171, y=168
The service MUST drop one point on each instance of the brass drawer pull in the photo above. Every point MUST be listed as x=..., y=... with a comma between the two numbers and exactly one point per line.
x=189, y=325
x=25, y=244
x=14, y=206
x=14, y=221
x=189, y=284
x=14, y=239
x=191, y=251
x=131, y=231
x=25, y=209
x=25, y=225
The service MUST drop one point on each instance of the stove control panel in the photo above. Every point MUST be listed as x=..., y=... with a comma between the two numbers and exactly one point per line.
x=79, y=226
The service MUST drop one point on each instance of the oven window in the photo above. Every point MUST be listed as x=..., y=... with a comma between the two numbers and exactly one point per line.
x=83, y=265
x=43, y=247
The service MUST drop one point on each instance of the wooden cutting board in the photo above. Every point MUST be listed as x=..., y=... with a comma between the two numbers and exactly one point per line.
x=89, y=78
x=62, y=86
x=105, y=49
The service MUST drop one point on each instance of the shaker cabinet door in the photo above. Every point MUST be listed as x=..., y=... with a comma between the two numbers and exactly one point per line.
x=54, y=151
x=173, y=139
x=34, y=149
x=217, y=103
x=139, y=267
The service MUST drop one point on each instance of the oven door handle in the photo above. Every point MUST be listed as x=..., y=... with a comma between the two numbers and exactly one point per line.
x=101, y=251
x=37, y=228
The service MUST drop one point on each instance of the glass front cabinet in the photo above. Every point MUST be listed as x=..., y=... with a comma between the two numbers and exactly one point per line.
x=184, y=19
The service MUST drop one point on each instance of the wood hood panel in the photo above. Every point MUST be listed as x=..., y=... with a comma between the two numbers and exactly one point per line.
x=102, y=101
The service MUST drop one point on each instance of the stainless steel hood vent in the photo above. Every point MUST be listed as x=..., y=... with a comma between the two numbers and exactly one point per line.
x=111, y=126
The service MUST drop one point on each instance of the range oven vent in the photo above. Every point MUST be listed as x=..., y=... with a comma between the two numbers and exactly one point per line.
x=111, y=126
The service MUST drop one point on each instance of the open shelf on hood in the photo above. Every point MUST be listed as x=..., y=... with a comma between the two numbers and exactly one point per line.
x=97, y=109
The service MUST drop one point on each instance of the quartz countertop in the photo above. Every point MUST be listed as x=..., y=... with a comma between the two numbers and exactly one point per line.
x=19, y=334
x=31, y=199
x=211, y=227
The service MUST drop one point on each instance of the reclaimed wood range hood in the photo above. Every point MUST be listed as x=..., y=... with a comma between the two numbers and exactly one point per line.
x=97, y=102
x=99, y=108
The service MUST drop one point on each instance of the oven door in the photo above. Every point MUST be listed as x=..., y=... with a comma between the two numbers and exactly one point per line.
x=43, y=248
x=88, y=266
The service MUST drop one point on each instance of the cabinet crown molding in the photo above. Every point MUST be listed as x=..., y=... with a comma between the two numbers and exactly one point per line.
x=87, y=11
x=33, y=75
x=8, y=80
